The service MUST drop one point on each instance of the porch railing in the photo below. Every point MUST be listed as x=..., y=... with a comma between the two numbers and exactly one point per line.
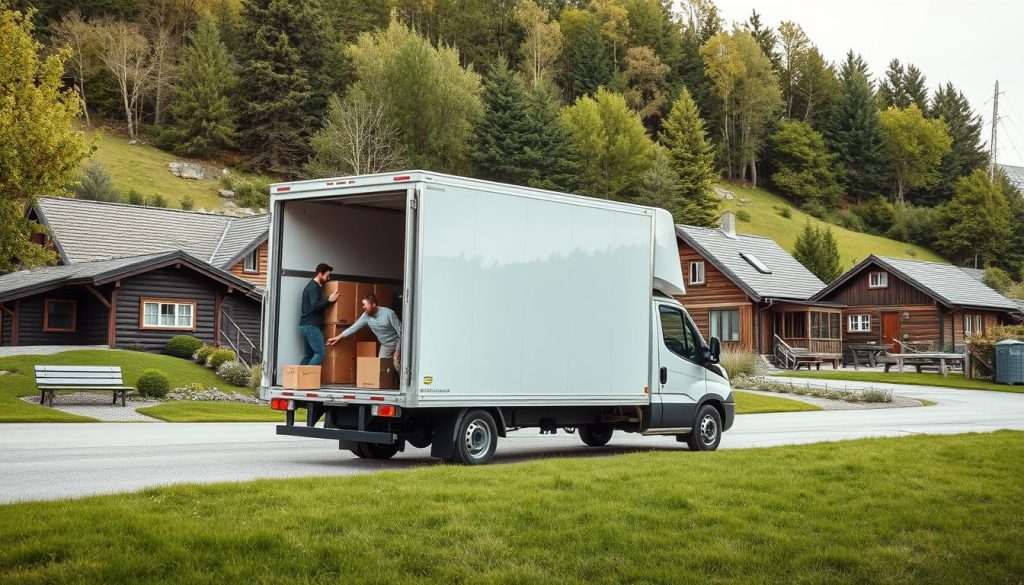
x=232, y=336
x=816, y=346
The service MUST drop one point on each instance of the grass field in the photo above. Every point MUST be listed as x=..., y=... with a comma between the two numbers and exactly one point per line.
x=20, y=381
x=750, y=403
x=922, y=509
x=144, y=168
x=191, y=411
x=955, y=380
x=853, y=246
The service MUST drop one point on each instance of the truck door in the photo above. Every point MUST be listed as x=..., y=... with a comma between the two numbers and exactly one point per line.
x=681, y=380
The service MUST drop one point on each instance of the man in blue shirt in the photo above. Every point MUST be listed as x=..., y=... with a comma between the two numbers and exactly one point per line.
x=311, y=320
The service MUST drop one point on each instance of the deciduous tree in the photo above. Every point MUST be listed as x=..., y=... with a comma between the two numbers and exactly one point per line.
x=542, y=44
x=355, y=139
x=804, y=167
x=976, y=221
x=915, y=146
x=80, y=38
x=646, y=84
x=129, y=57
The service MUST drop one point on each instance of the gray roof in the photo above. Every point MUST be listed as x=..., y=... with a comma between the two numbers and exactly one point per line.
x=25, y=282
x=93, y=230
x=975, y=273
x=788, y=279
x=1015, y=175
x=948, y=284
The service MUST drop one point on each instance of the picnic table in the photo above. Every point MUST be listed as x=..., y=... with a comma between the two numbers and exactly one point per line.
x=923, y=358
x=870, y=352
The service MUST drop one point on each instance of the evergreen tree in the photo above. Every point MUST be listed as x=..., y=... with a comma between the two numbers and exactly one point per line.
x=817, y=249
x=765, y=36
x=96, y=184
x=203, y=119
x=283, y=89
x=915, y=84
x=40, y=149
x=892, y=91
x=586, y=55
x=966, y=153
x=549, y=154
x=854, y=134
x=692, y=158
x=804, y=167
x=976, y=221
x=499, y=136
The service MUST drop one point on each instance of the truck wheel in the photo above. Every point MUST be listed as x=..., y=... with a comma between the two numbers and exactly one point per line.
x=707, y=433
x=375, y=450
x=596, y=435
x=476, y=439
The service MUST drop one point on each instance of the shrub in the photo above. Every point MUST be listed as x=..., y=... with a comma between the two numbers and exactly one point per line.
x=182, y=346
x=96, y=184
x=158, y=200
x=743, y=215
x=251, y=192
x=153, y=383
x=784, y=211
x=188, y=203
x=255, y=377
x=218, y=357
x=878, y=214
x=815, y=209
x=202, y=354
x=135, y=198
x=234, y=372
x=849, y=220
x=917, y=225
x=739, y=362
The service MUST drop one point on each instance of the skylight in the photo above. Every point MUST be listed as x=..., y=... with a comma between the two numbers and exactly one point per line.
x=756, y=263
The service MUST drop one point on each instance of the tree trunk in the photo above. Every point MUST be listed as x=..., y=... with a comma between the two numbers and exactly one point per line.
x=753, y=170
x=128, y=114
x=85, y=106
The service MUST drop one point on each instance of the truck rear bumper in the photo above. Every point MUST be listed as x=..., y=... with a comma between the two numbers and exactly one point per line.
x=338, y=434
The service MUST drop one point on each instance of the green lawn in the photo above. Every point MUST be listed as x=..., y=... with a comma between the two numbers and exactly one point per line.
x=751, y=403
x=955, y=380
x=853, y=246
x=21, y=379
x=191, y=411
x=922, y=509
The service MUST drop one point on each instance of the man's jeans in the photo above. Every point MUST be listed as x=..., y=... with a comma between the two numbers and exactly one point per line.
x=314, y=342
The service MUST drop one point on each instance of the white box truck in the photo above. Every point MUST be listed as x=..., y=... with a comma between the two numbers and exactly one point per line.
x=520, y=308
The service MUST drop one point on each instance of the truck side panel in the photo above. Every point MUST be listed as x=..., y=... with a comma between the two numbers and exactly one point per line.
x=523, y=300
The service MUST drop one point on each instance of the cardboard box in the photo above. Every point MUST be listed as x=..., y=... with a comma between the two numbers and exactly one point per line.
x=301, y=378
x=339, y=365
x=367, y=349
x=344, y=310
x=376, y=373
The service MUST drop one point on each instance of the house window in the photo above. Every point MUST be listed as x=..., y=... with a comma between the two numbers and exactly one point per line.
x=251, y=264
x=168, y=314
x=878, y=280
x=824, y=325
x=697, y=272
x=974, y=325
x=858, y=323
x=725, y=324
x=60, y=316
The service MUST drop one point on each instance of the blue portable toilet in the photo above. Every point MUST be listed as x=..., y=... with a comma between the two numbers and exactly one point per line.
x=1010, y=362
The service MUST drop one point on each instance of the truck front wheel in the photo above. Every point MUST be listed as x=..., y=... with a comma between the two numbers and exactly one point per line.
x=707, y=433
x=596, y=435
x=476, y=439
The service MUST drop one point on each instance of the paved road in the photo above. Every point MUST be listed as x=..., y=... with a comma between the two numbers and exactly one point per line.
x=50, y=461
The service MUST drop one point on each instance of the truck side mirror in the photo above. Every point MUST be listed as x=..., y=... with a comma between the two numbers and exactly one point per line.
x=715, y=350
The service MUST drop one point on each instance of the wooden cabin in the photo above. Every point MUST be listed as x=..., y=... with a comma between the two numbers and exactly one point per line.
x=927, y=304
x=746, y=290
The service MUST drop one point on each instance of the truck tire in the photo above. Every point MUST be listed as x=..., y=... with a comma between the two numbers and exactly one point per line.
x=375, y=450
x=707, y=430
x=476, y=439
x=596, y=435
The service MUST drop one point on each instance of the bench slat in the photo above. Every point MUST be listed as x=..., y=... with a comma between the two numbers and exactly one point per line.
x=83, y=375
x=78, y=368
x=79, y=382
x=72, y=387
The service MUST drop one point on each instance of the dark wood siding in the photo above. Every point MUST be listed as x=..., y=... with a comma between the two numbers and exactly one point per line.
x=90, y=325
x=717, y=292
x=245, y=312
x=165, y=283
x=899, y=292
x=6, y=325
x=919, y=325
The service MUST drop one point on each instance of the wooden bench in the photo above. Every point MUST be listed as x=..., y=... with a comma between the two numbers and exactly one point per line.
x=50, y=379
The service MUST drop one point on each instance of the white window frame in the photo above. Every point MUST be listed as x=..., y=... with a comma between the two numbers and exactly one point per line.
x=859, y=323
x=974, y=325
x=179, y=309
x=251, y=262
x=883, y=280
x=697, y=269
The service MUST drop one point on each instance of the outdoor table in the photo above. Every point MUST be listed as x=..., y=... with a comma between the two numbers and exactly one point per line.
x=912, y=358
x=870, y=350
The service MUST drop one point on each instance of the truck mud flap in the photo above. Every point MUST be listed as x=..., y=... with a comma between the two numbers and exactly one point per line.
x=339, y=434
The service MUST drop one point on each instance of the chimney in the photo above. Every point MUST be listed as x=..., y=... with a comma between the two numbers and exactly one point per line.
x=728, y=225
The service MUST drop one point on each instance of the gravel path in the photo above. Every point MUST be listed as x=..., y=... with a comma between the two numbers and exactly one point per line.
x=8, y=350
x=99, y=406
x=830, y=404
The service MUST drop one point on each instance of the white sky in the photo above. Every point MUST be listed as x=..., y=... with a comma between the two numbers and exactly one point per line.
x=968, y=43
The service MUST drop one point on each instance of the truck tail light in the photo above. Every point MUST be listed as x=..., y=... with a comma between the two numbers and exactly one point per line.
x=280, y=404
x=384, y=410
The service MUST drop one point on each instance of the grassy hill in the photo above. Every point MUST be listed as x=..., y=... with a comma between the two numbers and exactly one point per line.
x=765, y=220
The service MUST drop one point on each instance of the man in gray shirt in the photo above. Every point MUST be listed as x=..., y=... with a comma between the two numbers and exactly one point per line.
x=384, y=324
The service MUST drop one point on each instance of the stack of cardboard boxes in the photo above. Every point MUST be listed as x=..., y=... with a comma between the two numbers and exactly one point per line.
x=353, y=360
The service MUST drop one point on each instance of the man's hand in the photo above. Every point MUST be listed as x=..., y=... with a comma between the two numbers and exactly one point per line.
x=334, y=296
x=333, y=340
x=398, y=354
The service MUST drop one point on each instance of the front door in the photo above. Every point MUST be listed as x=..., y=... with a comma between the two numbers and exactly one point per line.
x=681, y=377
x=891, y=330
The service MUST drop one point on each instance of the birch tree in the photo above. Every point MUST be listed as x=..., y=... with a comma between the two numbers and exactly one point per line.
x=129, y=57
x=79, y=36
x=542, y=45
x=356, y=138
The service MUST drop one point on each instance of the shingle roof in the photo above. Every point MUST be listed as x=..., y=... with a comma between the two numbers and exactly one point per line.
x=948, y=283
x=788, y=279
x=16, y=284
x=975, y=273
x=92, y=230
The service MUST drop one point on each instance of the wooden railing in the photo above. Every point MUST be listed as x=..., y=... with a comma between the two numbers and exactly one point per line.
x=232, y=336
x=817, y=346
